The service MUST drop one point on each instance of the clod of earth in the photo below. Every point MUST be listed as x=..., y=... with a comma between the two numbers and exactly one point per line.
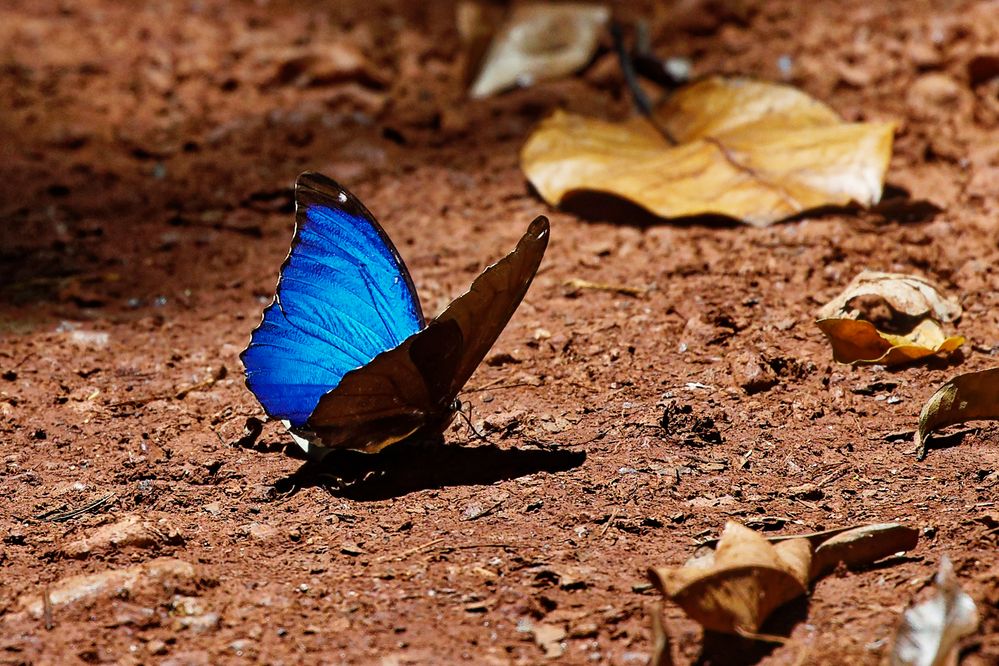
x=754, y=151
x=163, y=574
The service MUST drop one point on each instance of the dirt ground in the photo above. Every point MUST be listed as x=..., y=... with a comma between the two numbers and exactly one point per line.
x=146, y=160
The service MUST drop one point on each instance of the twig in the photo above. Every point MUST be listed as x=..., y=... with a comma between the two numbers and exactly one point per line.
x=578, y=283
x=487, y=512
x=609, y=522
x=492, y=386
x=642, y=103
x=176, y=394
x=54, y=517
x=411, y=551
x=47, y=606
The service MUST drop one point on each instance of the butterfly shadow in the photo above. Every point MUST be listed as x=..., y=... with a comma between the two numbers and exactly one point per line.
x=412, y=466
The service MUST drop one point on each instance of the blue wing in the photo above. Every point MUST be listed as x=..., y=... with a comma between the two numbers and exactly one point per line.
x=343, y=297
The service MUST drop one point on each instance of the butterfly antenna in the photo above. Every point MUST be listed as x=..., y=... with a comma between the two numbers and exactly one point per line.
x=471, y=426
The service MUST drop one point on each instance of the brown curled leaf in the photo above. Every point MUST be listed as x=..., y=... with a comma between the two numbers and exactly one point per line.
x=889, y=319
x=862, y=545
x=734, y=588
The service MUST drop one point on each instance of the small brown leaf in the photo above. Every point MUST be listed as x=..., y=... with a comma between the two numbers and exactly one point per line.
x=889, y=319
x=735, y=588
x=929, y=632
x=538, y=41
x=968, y=397
x=862, y=545
x=751, y=150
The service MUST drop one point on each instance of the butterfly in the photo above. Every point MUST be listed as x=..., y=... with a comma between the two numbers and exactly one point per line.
x=344, y=355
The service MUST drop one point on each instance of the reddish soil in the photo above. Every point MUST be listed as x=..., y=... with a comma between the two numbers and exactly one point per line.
x=146, y=159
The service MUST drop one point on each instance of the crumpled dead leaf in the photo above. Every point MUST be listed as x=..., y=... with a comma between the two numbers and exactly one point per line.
x=736, y=586
x=538, y=41
x=968, y=397
x=889, y=319
x=755, y=151
x=929, y=632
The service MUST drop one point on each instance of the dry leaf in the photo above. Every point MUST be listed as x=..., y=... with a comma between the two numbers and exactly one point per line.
x=968, y=397
x=734, y=588
x=754, y=151
x=889, y=319
x=538, y=41
x=862, y=545
x=907, y=295
x=662, y=651
x=929, y=632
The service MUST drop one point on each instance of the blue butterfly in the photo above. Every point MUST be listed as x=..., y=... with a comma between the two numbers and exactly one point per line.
x=344, y=355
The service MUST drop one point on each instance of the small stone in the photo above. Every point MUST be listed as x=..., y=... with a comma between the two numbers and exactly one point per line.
x=584, y=630
x=751, y=373
x=200, y=624
x=129, y=532
x=156, y=647
x=549, y=638
x=165, y=573
x=932, y=91
x=261, y=531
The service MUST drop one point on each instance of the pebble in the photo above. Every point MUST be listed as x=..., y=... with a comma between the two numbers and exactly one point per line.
x=130, y=532
x=162, y=574
x=932, y=90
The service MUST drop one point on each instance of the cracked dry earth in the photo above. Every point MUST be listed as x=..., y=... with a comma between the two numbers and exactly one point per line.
x=146, y=157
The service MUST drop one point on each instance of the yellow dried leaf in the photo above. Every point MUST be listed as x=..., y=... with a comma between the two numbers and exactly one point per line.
x=856, y=341
x=736, y=587
x=969, y=397
x=889, y=319
x=754, y=151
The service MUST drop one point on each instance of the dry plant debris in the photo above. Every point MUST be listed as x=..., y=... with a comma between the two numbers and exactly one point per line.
x=735, y=587
x=930, y=631
x=889, y=319
x=536, y=42
x=754, y=151
x=968, y=397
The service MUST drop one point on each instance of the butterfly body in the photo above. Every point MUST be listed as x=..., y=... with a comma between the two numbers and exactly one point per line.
x=344, y=354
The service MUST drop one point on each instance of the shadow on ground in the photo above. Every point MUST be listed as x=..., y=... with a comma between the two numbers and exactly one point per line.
x=409, y=467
